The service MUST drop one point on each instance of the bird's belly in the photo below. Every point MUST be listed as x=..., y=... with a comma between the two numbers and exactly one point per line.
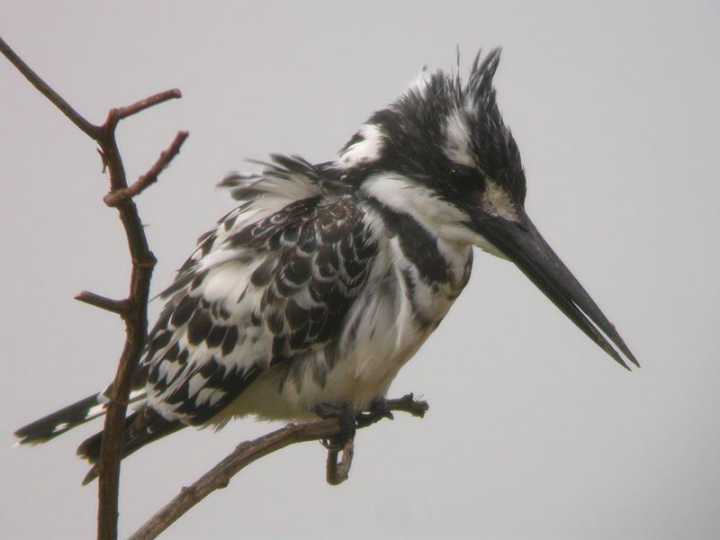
x=358, y=369
x=361, y=376
x=365, y=373
x=383, y=330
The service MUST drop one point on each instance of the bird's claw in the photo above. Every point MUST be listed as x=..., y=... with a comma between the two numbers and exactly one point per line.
x=345, y=415
x=378, y=410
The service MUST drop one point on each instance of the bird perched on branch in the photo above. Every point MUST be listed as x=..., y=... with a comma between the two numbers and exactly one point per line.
x=309, y=296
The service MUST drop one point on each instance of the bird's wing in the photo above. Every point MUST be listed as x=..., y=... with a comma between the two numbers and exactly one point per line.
x=271, y=282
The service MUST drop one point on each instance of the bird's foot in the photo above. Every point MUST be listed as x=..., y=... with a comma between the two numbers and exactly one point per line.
x=346, y=417
x=378, y=410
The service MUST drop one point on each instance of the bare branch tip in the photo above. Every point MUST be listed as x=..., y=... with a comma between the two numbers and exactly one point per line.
x=336, y=472
x=120, y=113
x=116, y=197
x=120, y=307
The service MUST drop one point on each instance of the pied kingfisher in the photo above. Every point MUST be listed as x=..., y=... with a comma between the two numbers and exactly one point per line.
x=327, y=278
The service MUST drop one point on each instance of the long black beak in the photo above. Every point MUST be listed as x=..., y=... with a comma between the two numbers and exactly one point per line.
x=522, y=243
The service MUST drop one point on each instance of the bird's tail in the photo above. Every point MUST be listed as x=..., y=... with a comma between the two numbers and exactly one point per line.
x=141, y=427
x=54, y=424
x=57, y=423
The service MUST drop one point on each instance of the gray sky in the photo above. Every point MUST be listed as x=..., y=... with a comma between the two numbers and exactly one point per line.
x=533, y=431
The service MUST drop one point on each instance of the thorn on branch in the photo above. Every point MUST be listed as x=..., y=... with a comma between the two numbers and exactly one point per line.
x=121, y=307
x=224, y=484
x=117, y=197
x=103, y=158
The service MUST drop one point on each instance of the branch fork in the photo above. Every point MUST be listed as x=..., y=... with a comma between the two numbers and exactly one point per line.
x=118, y=196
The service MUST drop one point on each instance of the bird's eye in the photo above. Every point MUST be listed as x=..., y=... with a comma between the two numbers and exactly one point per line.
x=463, y=173
x=463, y=182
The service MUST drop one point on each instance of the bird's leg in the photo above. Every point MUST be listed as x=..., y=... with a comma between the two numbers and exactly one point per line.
x=345, y=415
x=378, y=410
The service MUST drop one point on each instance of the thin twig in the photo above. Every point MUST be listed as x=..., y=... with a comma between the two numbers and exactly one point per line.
x=121, y=307
x=86, y=127
x=134, y=309
x=336, y=472
x=246, y=453
x=120, y=113
x=115, y=198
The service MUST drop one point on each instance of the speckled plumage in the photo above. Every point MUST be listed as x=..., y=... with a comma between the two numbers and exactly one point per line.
x=268, y=289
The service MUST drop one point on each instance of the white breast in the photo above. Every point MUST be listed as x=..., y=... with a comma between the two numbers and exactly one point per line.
x=384, y=329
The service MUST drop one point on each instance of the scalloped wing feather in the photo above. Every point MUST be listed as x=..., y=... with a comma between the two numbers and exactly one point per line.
x=272, y=286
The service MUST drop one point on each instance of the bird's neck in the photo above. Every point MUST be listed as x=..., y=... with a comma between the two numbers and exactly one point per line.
x=428, y=235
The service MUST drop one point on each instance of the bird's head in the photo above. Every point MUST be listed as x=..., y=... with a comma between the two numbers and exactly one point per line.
x=442, y=154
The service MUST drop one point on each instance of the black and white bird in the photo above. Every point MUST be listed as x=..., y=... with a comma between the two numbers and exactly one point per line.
x=327, y=278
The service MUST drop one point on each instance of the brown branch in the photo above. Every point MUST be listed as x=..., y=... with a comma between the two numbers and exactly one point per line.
x=115, y=198
x=336, y=472
x=143, y=263
x=246, y=453
x=134, y=309
x=86, y=127
x=120, y=307
x=120, y=113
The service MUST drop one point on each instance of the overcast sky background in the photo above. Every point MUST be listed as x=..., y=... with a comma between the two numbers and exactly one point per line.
x=533, y=431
